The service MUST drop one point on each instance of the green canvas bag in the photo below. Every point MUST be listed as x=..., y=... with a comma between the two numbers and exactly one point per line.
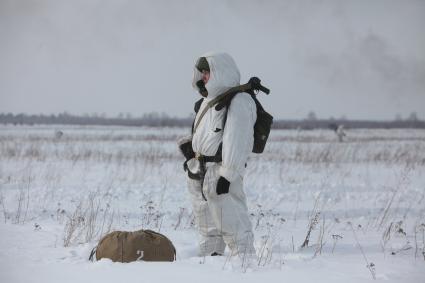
x=146, y=245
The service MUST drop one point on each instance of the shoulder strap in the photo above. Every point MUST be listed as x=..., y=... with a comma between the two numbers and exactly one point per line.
x=257, y=103
x=196, y=108
x=198, y=105
x=228, y=99
x=229, y=94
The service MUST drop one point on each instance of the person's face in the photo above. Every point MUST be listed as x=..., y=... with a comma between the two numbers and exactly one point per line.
x=205, y=76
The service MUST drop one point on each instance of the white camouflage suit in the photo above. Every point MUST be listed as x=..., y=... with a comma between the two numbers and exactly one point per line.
x=223, y=219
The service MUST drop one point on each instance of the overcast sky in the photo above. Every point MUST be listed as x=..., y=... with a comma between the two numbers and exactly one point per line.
x=361, y=59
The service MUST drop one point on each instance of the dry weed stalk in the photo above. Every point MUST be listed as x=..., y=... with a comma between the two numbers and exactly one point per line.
x=151, y=215
x=91, y=216
x=23, y=196
x=404, y=179
x=292, y=242
x=311, y=226
x=320, y=243
x=393, y=228
x=369, y=265
x=335, y=237
x=180, y=217
x=418, y=228
x=263, y=248
x=281, y=262
x=406, y=247
x=2, y=202
x=84, y=224
x=72, y=225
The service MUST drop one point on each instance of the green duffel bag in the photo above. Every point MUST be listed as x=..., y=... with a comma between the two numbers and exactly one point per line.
x=146, y=245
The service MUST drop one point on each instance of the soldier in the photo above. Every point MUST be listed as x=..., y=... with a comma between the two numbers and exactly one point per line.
x=221, y=142
x=340, y=133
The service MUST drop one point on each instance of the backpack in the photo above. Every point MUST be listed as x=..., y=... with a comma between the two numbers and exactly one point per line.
x=146, y=245
x=264, y=120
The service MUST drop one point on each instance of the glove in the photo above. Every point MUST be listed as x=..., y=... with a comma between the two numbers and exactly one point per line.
x=185, y=146
x=222, y=186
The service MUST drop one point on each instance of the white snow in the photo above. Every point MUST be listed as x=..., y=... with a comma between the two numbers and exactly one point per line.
x=59, y=196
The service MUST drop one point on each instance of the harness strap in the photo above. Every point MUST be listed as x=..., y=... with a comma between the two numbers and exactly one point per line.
x=233, y=90
x=203, y=159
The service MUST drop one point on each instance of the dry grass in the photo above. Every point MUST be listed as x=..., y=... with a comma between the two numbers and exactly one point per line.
x=129, y=163
x=89, y=221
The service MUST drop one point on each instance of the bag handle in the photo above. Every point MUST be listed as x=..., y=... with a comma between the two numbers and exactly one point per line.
x=92, y=253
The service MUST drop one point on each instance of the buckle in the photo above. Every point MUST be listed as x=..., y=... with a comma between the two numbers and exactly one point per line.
x=198, y=156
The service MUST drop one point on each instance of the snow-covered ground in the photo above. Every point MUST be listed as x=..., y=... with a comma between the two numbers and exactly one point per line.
x=363, y=199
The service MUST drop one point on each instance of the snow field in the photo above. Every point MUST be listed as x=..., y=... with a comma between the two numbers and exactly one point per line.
x=362, y=201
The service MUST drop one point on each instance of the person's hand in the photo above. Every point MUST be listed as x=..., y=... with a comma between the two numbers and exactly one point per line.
x=222, y=186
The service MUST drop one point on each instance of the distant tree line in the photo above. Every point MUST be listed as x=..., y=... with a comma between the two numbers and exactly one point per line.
x=163, y=120
x=150, y=120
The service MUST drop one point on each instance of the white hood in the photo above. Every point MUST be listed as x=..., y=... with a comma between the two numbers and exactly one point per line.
x=224, y=74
